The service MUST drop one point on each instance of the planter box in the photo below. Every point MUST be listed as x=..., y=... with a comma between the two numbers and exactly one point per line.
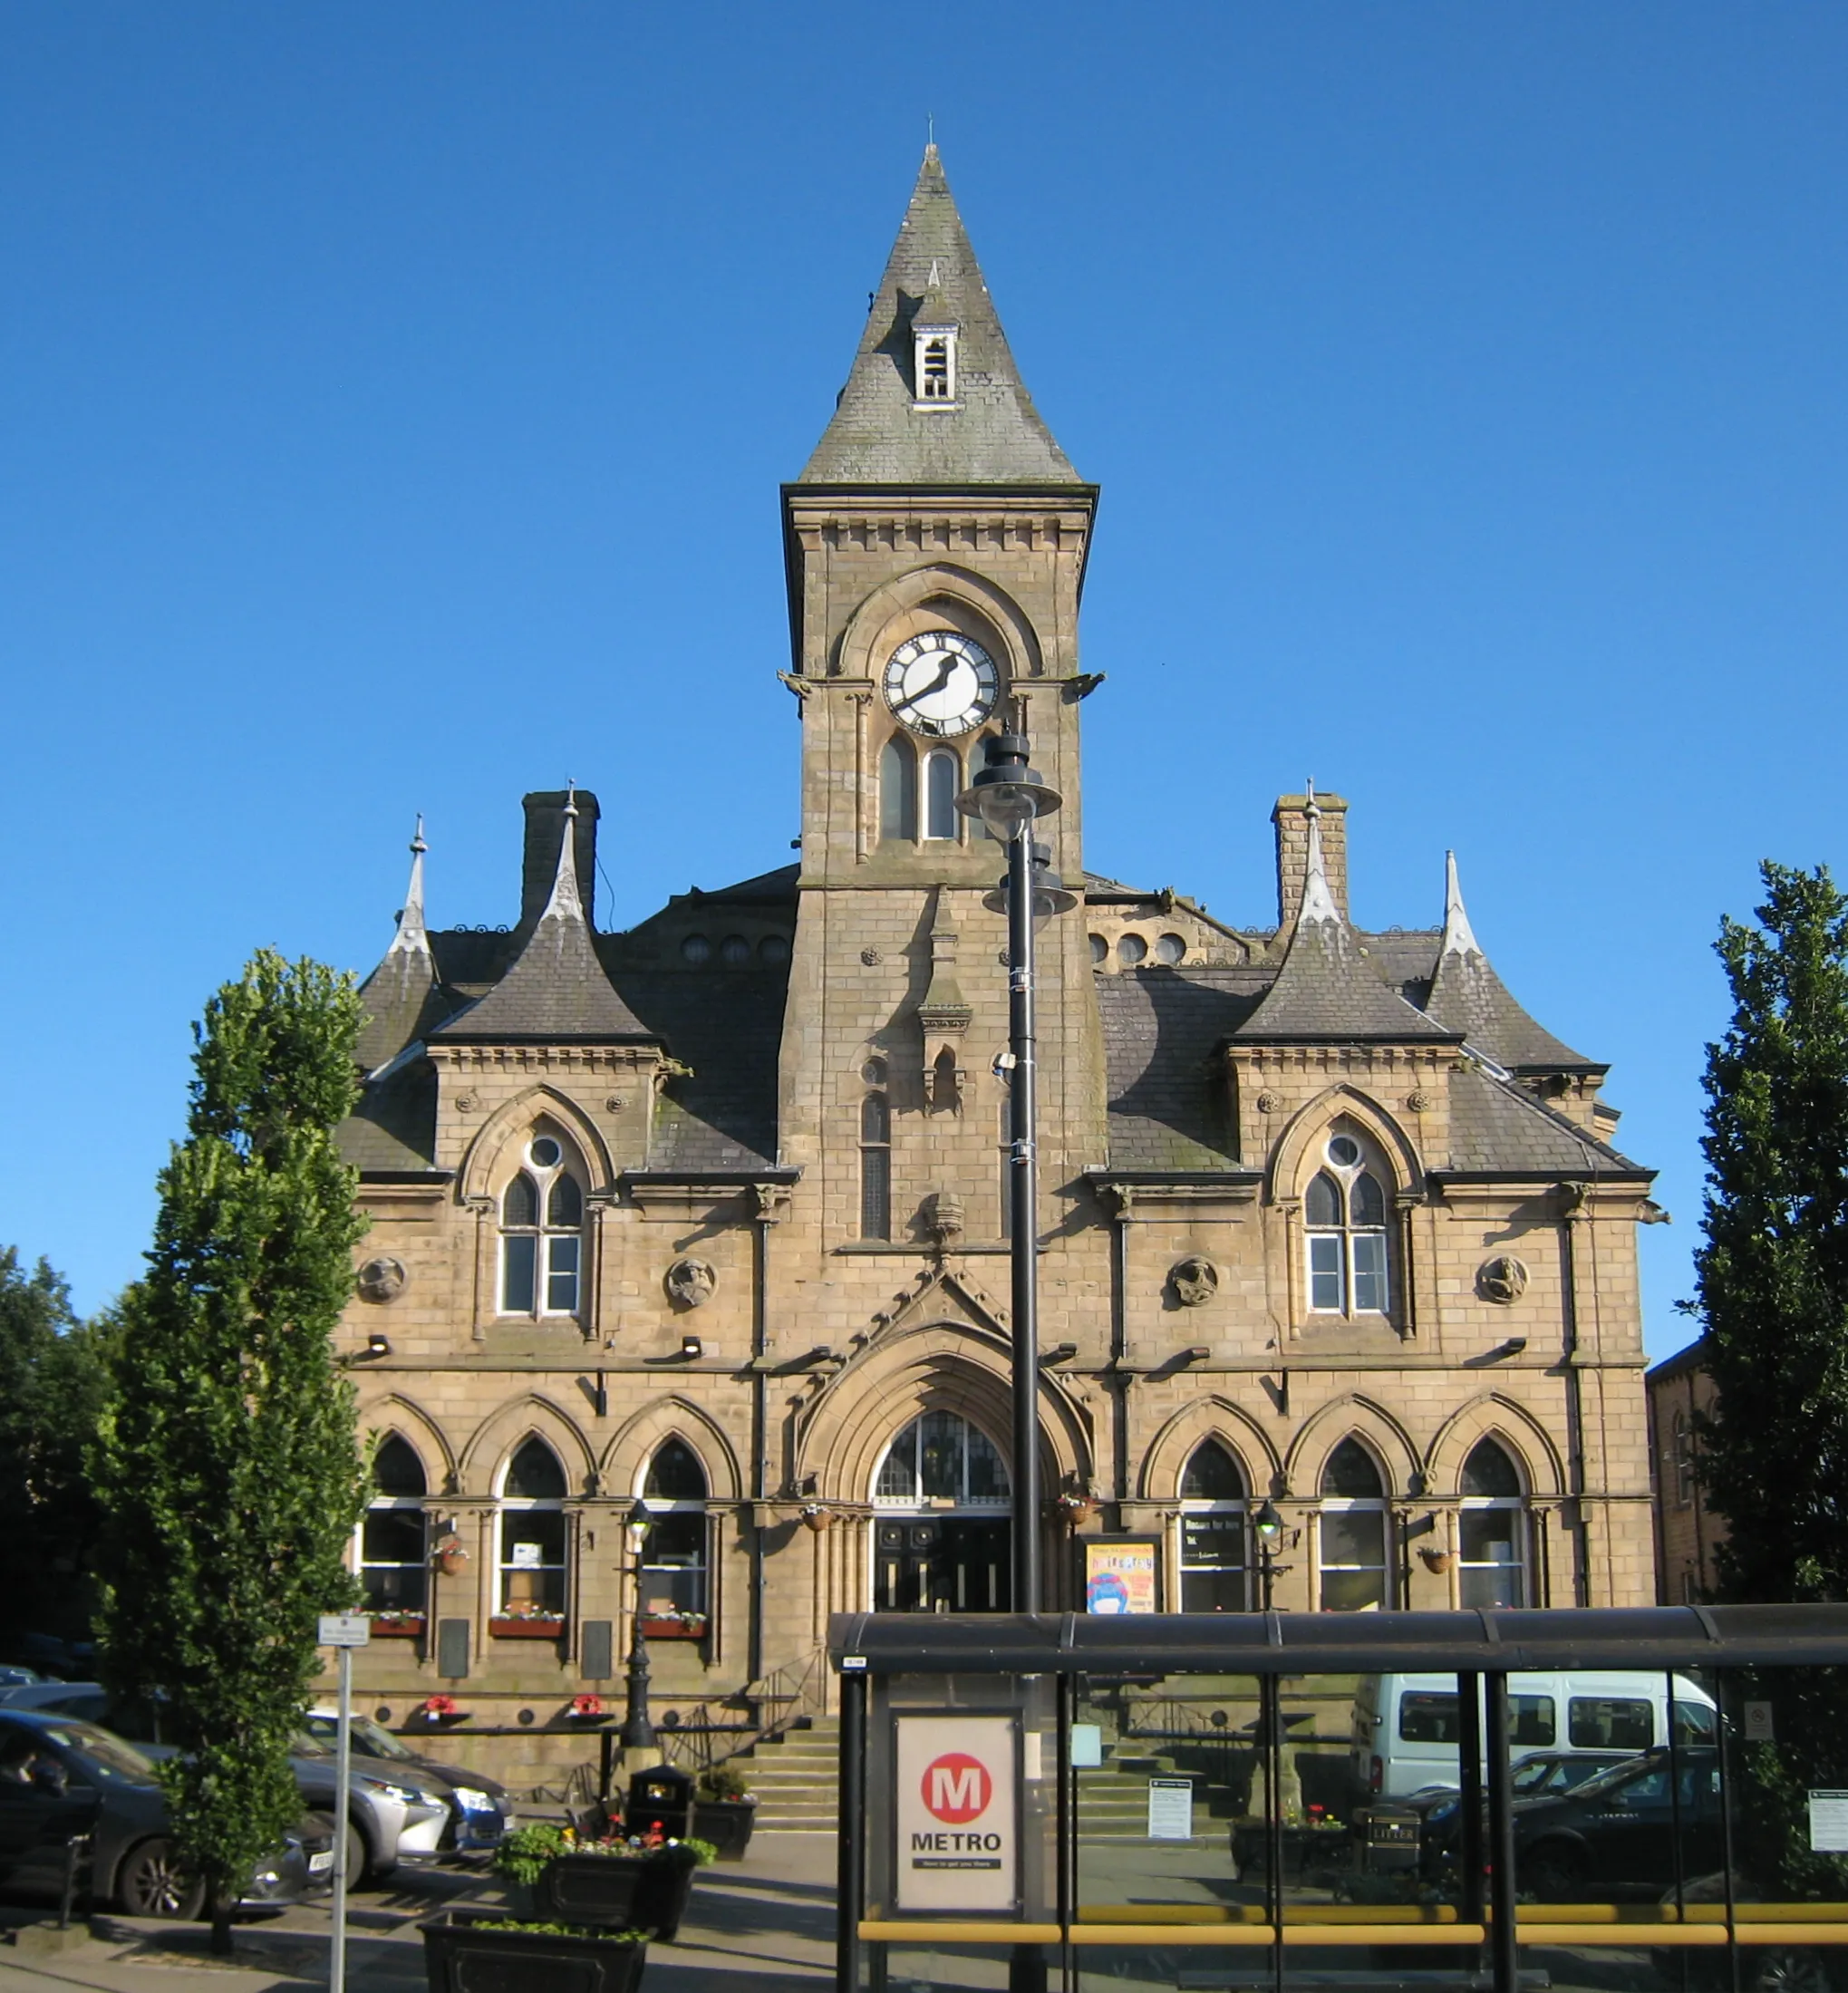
x=726, y=1824
x=671, y=1630
x=398, y=1626
x=650, y=1894
x=526, y=1630
x=459, y=1958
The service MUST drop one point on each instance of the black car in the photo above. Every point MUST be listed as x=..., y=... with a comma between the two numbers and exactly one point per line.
x=1541, y=1774
x=1613, y=1837
x=60, y=1778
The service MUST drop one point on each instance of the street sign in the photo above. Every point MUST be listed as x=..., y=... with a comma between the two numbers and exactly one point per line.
x=343, y=1630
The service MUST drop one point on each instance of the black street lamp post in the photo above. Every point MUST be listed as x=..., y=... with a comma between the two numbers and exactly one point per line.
x=1267, y=1527
x=638, y=1732
x=1009, y=796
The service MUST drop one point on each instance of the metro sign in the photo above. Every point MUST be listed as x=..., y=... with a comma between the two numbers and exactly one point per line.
x=957, y=1788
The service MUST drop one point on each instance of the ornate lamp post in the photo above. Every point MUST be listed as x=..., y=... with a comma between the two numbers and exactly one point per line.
x=1267, y=1527
x=1008, y=796
x=638, y=1732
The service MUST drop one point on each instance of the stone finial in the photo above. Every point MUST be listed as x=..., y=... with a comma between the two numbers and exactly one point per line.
x=1291, y=819
x=412, y=938
x=1458, y=937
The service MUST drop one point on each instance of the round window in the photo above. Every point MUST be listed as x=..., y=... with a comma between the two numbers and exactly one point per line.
x=874, y=1072
x=545, y=1152
x=1171, y=949
x=1344, y=1151
x=696, y=949
x=1131, y=949
x=734, y=951
x=1100, y=948
x=773, y=948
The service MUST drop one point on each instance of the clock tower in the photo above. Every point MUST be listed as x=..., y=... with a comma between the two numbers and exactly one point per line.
x=935, y=543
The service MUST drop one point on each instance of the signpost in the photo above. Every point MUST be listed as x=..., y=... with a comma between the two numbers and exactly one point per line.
x=343, y=1631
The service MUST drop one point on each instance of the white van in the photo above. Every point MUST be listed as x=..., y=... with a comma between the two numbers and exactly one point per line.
x=1406, y=1727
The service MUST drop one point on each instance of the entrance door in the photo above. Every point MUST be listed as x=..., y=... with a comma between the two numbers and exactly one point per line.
x=948, y=1565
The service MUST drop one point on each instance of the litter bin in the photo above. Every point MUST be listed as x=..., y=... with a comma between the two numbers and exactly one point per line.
x=1389, y=1844
x=662, y=1797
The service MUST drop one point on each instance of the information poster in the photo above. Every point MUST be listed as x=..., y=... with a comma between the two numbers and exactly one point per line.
x=1171, y=1809
x=1119, y=1577
x=958, y=1843
x=1829, y=1822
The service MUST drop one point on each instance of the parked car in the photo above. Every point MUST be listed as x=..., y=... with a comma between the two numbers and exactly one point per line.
x=482, y=1808
x=1613, y=1837
x=13, y=1677
x=60, y=1778
x=1544, y=1774
x=394, y=1814
x=1407, y=1728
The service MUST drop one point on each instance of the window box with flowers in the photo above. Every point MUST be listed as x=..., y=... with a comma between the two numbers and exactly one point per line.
x=673, y=1626
x=396, y=1626
x=511, y=1623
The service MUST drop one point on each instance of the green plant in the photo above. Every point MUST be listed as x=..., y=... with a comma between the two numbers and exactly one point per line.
x=228, y=1466
x=527, y=1850
x=603, y=1936
x=724, y=1782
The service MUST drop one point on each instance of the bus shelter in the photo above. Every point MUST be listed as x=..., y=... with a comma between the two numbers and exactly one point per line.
x=1496, y=1801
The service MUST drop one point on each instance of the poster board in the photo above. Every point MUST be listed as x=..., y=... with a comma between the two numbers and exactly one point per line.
x=1119, y=1573
x=957, y=1813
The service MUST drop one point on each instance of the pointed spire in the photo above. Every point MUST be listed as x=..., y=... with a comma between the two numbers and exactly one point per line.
x=1318, y=899
x=1459, y=938
x=994, y=434
x=401, y=995
x=412, y=938
x=1468, y=997
x=557, y=989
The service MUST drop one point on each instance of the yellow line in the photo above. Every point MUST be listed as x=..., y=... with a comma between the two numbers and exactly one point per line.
x=1173, y=1934
x=1529, y=1933
x=949, y=1934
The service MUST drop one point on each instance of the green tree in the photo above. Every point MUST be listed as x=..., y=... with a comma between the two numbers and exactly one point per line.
x=229, y=1467
x=1773, y=1273
x=54, y=1382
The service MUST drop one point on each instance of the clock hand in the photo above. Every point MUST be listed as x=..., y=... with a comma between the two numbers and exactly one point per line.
x=945, y=670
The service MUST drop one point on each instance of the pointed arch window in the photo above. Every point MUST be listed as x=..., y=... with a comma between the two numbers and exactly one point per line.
x=897, y=791
x=674, y=1567
x=1213, y=1557
x=1493, y=1529
x=1344, y=1227
x=542, y=1234
x=1354, y=1572
x=533, y=1548
x=942, y=779
x=936, y=359
x=875, y=1167
x=393, y=1548
x=942, y=1460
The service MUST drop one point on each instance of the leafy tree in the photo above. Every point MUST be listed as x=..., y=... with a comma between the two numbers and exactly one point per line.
x=54, y=1386
x=1773, y=1273
x=229, y=1467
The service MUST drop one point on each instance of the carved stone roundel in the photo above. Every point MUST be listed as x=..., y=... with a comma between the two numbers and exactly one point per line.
x=691, y=1282
x=1196, y=1281
x=1501, y=1279
x=871, y=957
x=382, y=1279
x=1266, y=1103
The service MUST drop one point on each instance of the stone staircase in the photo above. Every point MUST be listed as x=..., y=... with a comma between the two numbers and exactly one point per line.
x=795, y=1775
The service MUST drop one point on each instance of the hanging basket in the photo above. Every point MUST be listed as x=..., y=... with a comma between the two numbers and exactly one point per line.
x=451, y=1557
x=1439, y=1561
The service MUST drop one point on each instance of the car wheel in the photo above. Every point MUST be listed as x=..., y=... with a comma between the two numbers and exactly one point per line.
x=1554, y=1871
x=153, y=1884
x=1789, y=1969
x=356, y=1857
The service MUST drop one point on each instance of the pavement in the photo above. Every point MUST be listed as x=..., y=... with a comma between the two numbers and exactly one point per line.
x=762, y=1925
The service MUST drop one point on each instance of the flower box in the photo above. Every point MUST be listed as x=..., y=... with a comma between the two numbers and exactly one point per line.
x=526, y=1630
x=671, y=1626
x=639, y=1890
x=459, y=1955
x=397, y=1626
x=726, y=1824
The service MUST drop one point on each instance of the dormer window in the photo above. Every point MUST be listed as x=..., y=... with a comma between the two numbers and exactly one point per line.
x=934, y=359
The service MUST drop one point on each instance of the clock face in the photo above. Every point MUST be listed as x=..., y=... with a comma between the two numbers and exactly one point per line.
x=941, y=682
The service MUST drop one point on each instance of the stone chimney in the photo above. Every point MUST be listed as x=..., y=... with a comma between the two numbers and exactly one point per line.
x=1290, y=817
x=544, y=831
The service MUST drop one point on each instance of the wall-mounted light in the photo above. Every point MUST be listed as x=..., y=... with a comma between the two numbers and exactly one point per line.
x=1513, y=1347
x=1060, y=1352
x=692, y=1348
x=378, y=1345
x=1197, y=1354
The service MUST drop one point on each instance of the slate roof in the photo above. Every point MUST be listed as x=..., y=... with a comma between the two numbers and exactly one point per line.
x=404, y=1002
x=993, y=435
x=1469, y=997
x=1497, y=1128
x=392, y=1131
x=556, y=990
x=1161, y=1029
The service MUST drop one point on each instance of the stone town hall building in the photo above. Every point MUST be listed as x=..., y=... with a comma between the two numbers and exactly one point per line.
x=711, y=1209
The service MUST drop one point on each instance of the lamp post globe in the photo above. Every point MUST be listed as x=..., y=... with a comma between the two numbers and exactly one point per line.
x=638, y=1732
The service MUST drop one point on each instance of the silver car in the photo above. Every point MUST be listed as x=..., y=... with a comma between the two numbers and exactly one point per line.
x=395, y=1813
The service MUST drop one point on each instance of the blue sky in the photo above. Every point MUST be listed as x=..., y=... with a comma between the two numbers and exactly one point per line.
x=394, y=400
